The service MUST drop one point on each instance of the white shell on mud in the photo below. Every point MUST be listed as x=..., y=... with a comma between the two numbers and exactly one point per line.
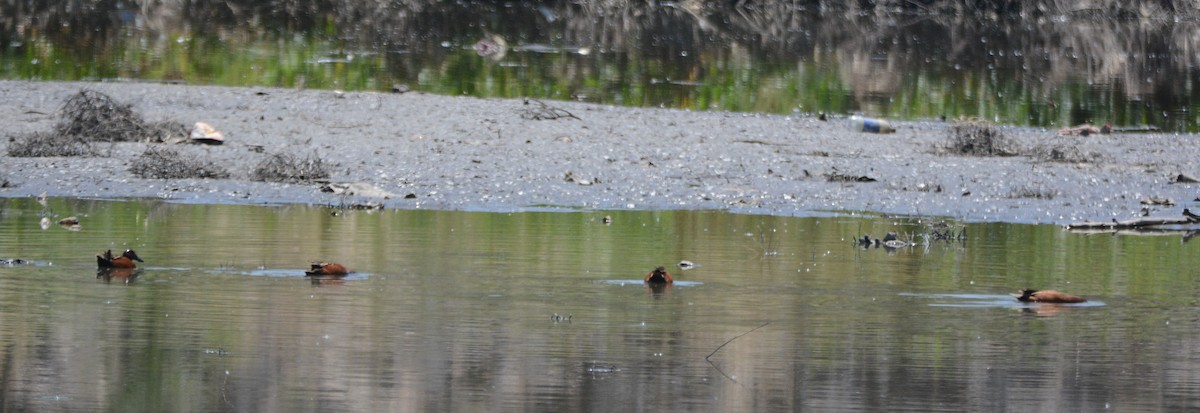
x=205, y=133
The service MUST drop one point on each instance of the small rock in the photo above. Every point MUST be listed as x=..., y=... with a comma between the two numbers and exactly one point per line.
x=356, y=189
x=1157, y=201
x=570, y=177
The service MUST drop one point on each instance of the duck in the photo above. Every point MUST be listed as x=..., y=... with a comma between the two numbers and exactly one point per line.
x=125, y=260
x=1047, y=296
x=659, y=276
x=327, y=268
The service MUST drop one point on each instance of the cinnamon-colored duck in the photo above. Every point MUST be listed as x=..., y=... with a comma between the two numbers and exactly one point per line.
x=327, y=268
x=125, y=260
x=1047, y=296
x=659, y=276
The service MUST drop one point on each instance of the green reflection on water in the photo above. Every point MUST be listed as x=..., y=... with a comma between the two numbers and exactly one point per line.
x=451, y=311
x=1005, y=71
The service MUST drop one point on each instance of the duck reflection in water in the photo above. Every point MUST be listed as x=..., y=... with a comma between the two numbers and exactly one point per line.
x=1046, y=310
x=122, y=275
x=659, y=276
x=659, y=281
x=327, y=280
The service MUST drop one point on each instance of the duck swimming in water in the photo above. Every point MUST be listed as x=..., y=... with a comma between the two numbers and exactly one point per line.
x=1047, y=296
x=327, y=268
x=659, y=276
x=125, y=260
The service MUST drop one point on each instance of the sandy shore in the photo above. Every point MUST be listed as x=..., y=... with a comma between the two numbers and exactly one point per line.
x=440, y=152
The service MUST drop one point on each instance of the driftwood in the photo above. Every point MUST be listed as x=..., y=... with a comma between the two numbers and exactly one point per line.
x=541, y=111
x=1188, y=219
x=1187, y=234
x=1131, y=223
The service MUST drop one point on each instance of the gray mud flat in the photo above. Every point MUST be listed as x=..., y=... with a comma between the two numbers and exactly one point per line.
x=417, y=150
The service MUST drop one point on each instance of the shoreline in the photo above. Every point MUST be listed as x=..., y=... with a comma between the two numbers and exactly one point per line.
x=421, y=151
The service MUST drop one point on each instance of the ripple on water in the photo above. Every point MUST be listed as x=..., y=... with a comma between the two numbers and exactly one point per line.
x=642, y=282
x=284, y=273
x=988, y=301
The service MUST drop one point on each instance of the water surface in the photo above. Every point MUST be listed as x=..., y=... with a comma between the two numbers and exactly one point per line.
x=542, y=311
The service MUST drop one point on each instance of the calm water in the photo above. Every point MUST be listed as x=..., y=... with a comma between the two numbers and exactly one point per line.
x=455, y=311
x=1049, y=69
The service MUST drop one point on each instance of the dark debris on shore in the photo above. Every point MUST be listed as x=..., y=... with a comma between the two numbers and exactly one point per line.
x=46, y=144
x=976, y=137
x=158, y=163
x=89, y=117
x=285, y=167
x=98, y=118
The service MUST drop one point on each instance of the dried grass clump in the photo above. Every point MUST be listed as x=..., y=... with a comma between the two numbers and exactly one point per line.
x=41, y=144
x=978, y=138
x=94, y=116
x=90, y=116
x=1066, y=152
x=1032, y=192
x=282, y=167
x=168, y=164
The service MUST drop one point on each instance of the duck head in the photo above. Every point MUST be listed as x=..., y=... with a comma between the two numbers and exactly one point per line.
x=1025, y=295
x=132, y=255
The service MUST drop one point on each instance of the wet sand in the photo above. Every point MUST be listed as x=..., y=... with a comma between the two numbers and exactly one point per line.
x=416, y=150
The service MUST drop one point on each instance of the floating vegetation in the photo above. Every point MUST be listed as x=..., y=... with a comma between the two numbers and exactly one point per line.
x=890, y=242
x=976, y=137
x=944, y=231
x=283, y=167
x=355, y=206
x=168, y=164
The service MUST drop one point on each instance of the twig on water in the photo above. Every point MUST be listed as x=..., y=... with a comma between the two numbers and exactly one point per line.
x=709, y=356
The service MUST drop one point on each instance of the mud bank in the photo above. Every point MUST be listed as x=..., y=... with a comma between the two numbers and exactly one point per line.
x=416, y=150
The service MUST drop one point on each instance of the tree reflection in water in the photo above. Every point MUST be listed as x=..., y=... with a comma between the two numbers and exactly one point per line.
x=1039, y=65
